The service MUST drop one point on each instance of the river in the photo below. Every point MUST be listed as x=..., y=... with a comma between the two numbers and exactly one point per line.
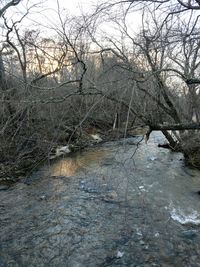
x=122, y=203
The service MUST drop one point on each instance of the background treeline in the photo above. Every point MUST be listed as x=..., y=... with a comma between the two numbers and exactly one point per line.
x=52, y=88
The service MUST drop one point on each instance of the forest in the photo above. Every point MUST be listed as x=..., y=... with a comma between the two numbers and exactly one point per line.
x=120, y=66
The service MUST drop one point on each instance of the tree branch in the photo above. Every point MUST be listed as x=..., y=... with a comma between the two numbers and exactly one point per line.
x=9, y=4
x=176, y=127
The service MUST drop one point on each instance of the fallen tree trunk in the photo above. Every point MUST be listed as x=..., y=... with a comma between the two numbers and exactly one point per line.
x=164, y=128
x=176, y=127
x=189, y=146
x=172, y=143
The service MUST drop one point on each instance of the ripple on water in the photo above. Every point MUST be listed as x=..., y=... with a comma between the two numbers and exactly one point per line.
x=106, y=206
x=180, y=216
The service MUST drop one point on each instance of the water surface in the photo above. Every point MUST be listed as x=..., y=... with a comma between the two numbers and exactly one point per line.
x=119, y=204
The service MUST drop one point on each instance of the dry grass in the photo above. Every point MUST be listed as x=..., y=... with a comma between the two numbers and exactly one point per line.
x=191, y=148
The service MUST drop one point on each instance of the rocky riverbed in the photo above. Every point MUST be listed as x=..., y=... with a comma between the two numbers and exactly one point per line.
x=123, y=203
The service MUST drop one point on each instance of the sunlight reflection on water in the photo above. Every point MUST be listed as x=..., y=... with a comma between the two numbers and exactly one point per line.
x=71, y=165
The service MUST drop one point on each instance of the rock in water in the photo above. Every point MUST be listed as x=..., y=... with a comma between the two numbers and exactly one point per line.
x=96, y=137
x=62, y=150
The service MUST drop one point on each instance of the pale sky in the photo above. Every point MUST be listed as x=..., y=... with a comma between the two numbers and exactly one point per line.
x=74, y=6
x=45, y=15
x=48, y=8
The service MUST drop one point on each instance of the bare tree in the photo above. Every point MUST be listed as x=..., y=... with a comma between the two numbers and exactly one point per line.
x=168, y=43
x=3, y=83
x=8, y=5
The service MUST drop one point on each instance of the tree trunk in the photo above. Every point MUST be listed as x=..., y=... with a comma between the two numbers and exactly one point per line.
x=172, y=143
x=176, y=127
x=2, y=74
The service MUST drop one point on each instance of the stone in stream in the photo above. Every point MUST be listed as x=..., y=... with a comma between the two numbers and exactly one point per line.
x=119, y=254
x=43, y=197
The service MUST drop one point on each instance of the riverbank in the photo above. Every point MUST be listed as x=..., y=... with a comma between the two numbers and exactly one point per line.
x=71, y=140
x=36, y=151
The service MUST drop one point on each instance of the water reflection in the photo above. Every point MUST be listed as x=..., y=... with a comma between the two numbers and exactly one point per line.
x=71, y=165
x=145, y=208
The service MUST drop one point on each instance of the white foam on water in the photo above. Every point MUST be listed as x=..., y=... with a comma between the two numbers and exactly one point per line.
x=192, y=218
x=142, y=189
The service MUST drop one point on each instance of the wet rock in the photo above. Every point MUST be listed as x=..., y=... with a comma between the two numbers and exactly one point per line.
x=152, y=158
x=119, y=254
x=141, y=188
x=82, y=184
x=43, y=197
x=157, y=234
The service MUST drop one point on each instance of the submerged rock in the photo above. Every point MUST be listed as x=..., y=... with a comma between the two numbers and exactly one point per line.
x=59, y=151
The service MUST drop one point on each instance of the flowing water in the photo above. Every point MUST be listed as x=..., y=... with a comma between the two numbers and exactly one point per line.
x=122, y=203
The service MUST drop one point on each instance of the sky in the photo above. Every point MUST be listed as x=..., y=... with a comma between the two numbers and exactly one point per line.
x=48, y=8
x=73, y=6
x=45, y=16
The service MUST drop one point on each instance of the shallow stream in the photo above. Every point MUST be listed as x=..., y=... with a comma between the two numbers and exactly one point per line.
x=123, y=203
